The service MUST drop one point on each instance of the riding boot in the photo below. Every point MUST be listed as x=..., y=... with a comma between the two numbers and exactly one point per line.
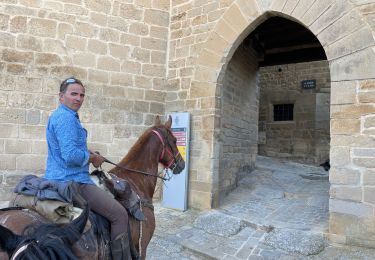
x=126, y=196
x=120, y=248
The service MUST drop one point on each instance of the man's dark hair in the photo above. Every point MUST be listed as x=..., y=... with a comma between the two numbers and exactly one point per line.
x=71, y=80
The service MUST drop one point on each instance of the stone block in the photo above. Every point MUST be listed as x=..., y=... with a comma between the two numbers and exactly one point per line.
x=315, y=11
x=10, y=55
x=156, y=17
x=54, y=46
x=364, y=162
x=39, y=147
x=129, y=11
x=339, y=156
x=85, y=30
x=369, y=194
x=355, y=41
x=368, y=178
x=343, y=92
x=98, y=76
x=141, y=55
x=98, y=19
x=112, y=117
x=18, y=24
x=202, y=89
x=158, y=57
x=12, y=115
x=101, y=133
x=141, y=106
x=47, y=59
x=350, y=208
x=153, y=70
x=199, y=199
x=338, y=9
x=109, y=35
x=42, y=27
x=33, y=117
x=101, y=6
x=226, y=31
x=118, y=51
x=76, y=42
x=344, y=176
x=215, y=43
x=108, y=63
x=75, y=10
x=367, y=85
x=234, y=17
x=18, y=146
x=118, y=23
x=84, y=59
x=136, y=93
x=209, y=59
x=122, y=79
x=345, y=126
x=156, y=96
x=359, y=65
x=159, y=32
x=32, y=132
x=8, y=131
x=154, y=44
x=31, y=162
x=97, y=47
x=121, y=104
x=7, y=162
x=157, y=108
x=139, y=29
x=352, y=111
x=346, y=193
x=302, y=7
x=130, y=39
x=131, y=67
x=45, y=102
x=366, y=97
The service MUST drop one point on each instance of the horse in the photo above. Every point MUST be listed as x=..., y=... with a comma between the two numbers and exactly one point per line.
x=157, y=145
x=44, y=241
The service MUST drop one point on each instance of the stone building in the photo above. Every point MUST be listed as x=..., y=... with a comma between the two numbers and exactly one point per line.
x=140, y=58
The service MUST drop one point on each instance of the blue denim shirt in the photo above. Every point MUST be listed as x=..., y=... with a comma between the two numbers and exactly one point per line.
x=68, y=156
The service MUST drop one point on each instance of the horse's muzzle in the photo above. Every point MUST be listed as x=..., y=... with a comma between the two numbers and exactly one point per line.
x=179, y=166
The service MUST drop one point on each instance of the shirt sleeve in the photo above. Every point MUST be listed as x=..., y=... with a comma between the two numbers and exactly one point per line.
x=69, y=136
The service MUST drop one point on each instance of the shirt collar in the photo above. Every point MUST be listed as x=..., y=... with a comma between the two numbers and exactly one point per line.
x=62, y=106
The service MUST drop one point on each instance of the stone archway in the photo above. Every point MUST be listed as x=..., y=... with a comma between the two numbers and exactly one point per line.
x=348, y=42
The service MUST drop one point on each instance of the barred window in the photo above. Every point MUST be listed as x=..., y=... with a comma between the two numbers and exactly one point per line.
x=283, y=112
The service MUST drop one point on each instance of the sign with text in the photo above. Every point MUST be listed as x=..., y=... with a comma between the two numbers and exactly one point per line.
x=175, y=191
x=308, y=84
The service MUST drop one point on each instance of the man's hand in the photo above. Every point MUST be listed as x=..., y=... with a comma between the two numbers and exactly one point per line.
x=96, y=159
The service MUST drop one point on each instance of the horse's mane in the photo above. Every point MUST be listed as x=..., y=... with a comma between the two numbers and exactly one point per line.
x=45, y=243
x=138, y=145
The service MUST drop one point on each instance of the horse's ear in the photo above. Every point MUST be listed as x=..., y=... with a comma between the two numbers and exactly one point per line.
x=157, y=121
x=8, y=240
x=168, y=124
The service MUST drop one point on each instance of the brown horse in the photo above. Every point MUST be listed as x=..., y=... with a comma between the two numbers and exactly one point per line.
x=139, y=168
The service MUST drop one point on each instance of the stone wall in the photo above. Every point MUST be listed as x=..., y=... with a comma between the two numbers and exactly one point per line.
x=118, y=49
x=306, y=137
x=239, y=119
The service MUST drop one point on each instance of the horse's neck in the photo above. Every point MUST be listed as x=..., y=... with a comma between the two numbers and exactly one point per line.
x=145, y=160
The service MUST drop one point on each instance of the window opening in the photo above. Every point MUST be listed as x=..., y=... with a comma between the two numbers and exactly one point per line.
x=283, y=112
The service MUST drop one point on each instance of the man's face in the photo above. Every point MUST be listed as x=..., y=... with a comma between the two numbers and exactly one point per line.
x=73, y=96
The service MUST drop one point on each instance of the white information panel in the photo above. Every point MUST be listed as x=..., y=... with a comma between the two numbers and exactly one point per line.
x=175, y=190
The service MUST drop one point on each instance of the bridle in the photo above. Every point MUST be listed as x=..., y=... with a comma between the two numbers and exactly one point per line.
x=176, y=158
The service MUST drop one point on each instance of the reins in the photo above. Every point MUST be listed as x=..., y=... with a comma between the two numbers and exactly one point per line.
x=138, y=171
x=173, y=161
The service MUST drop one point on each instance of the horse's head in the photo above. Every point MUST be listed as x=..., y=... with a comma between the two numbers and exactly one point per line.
x=45, y=241
x=170, y=156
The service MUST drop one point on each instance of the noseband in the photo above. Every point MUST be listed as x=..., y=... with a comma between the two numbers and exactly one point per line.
x=176, y=158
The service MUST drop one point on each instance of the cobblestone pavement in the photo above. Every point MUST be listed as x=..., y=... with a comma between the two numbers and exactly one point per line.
x=279, y=211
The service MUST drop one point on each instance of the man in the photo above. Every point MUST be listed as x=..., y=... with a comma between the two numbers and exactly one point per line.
x=69, y=159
